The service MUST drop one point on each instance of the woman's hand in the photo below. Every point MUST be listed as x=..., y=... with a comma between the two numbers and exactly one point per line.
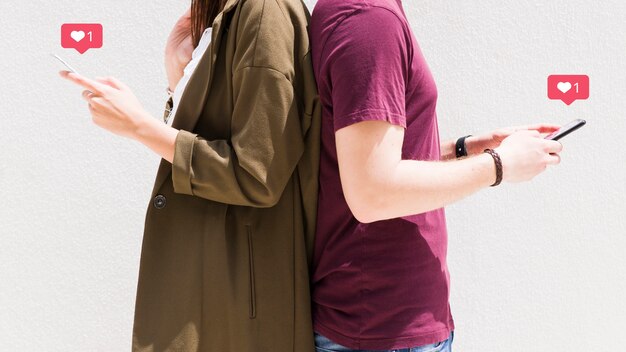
x=477, y=144
x=114, y=107
x=178, y=49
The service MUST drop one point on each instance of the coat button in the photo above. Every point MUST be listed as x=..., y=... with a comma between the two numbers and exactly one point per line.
x=160, y=201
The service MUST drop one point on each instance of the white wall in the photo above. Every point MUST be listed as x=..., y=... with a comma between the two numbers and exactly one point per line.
x=535, y=267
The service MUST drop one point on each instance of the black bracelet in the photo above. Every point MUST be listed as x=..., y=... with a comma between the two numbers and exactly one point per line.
x=498, y=161
x=460, y=148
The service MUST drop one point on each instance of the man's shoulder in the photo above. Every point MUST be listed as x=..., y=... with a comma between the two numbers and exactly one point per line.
x=327, y=14
x=324, y=8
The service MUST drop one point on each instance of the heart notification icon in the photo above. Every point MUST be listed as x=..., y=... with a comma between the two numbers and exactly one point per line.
x=77, y=35
x=568, y=88
x=81, y=36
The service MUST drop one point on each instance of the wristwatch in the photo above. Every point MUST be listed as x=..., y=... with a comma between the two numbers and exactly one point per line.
x=461, y=150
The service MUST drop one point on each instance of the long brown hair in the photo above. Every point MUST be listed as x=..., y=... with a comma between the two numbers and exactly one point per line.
x=203, y=12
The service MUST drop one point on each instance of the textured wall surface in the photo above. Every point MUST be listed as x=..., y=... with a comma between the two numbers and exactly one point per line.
x=535, y=267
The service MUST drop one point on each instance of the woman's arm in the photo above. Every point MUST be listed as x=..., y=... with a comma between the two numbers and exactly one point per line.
x=157, y=136
x=252, y=168
x=255, y=164
x=114, y=107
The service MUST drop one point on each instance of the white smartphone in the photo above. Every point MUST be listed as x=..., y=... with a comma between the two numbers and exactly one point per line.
x=64, y=63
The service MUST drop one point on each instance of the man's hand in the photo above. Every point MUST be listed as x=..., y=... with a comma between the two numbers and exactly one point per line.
x=525, y=154
x=378, y=184
x=477, y=144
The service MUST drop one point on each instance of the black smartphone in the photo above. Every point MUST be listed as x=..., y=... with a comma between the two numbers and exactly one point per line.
x=567, y=129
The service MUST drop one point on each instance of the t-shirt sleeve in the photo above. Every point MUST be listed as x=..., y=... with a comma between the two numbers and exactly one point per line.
x=367, y=68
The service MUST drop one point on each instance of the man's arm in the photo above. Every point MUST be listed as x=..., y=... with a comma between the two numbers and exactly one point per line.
x=477, y=144
x=379, y=185
x=448, y=150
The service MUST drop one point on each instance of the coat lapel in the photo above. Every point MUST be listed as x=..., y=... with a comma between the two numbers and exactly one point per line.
x=196, y=92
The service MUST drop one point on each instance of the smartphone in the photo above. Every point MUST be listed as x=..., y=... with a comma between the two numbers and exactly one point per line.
x=567, y=129
x=64, y=63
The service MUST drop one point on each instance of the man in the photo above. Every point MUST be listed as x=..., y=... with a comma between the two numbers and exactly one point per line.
x=380, y=279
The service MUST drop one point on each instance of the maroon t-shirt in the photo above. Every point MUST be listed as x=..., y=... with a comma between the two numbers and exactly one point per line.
x=383, y=285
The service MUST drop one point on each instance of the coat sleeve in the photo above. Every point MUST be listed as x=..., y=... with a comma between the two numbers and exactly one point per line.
x=254, y=166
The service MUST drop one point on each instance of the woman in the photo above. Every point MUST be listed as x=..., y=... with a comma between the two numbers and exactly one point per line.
x=228, y=232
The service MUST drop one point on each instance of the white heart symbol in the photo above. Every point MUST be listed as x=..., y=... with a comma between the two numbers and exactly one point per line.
x=77, y=35
x=564, y=87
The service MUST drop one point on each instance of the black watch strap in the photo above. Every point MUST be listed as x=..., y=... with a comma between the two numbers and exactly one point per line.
x=460, y=148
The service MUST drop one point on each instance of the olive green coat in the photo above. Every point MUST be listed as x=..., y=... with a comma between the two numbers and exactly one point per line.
x=229, y=229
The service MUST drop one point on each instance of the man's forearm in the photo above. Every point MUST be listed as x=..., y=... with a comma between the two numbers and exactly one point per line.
x=448, y=150
x=413, y=187
x=473, y=146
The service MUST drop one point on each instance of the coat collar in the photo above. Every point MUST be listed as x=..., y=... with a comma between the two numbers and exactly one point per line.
x=195, y=94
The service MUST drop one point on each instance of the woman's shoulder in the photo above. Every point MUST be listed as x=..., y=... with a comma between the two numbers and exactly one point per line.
x=275, y=30
x=285, y=10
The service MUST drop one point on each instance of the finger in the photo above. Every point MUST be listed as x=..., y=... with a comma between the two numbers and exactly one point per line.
x=530, y=133
x=514, y=128
x=82, y=81
x=112, y=82
x=87, y=95
x=540, y=127
x=96, y=119
x=115, y=83
x=86, y=83
x=106, y=81
x=92, y=111
x=553, y=159
x=97, y=101
x=505, y=132
x=552, y=147
x=543, y=127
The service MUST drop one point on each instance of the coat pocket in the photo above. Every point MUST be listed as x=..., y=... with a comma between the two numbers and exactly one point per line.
x=252, y=301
